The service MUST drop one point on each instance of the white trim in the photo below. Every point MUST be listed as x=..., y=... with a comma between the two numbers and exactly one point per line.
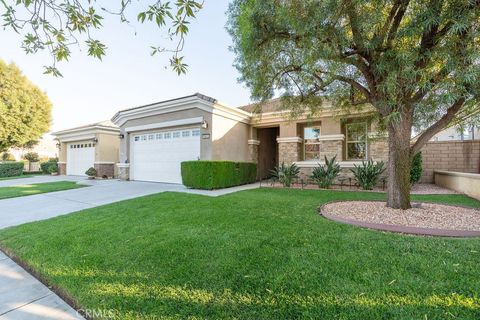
x=123, y=165
x=75, y=138
x=331, y=137
x=313, y=164
x=254, y=142
x=457, y=174
x=290, y=139
x=95, y=128
x=103, y=162
x=61, y=162
x=165, y=124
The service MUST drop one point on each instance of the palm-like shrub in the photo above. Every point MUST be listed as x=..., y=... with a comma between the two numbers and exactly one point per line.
x=286, y=174
x=367, y=173
x=91, y=172
x=323, y=175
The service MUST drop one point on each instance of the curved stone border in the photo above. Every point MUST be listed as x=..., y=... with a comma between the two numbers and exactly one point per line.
x=398, y=228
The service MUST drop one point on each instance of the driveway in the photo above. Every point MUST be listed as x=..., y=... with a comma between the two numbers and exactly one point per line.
x=21, y=295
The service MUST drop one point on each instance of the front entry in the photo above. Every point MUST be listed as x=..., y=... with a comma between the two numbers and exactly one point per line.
x=267, y=151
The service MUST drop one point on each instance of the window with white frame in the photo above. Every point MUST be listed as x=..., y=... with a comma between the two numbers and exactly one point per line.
x=356, y=141
x=196, y=133
x=311, y=143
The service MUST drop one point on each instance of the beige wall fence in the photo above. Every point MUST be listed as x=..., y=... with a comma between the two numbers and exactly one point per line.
x=467, y=183
x=458, y=156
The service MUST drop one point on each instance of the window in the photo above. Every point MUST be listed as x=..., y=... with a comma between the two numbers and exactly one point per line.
x=137, y=138
x=311, y=143
x=176, y=134
x=185, y=134
x=167, y=135
x=159, y=136
x=196, y=133
x=356, y=142
x=144, y=138
x=151, y=137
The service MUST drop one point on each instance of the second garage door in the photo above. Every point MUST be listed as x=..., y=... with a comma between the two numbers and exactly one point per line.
x=157, y=156
x=80, y=157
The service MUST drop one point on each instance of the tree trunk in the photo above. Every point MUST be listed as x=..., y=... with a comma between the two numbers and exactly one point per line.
x=399, y=158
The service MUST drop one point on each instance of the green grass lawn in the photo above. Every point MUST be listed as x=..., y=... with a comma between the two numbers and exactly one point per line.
x=31, y=189
x=258, y=254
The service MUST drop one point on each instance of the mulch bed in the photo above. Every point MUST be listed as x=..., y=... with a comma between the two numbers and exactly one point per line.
x=428, y=219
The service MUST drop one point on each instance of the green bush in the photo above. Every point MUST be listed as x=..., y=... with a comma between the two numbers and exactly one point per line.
x=49, y=167
x=11, y=169
x=416, y=168
x=368, y=173
x=285, y=174
x=323, y=175
x=211, y=175
x=91, y=172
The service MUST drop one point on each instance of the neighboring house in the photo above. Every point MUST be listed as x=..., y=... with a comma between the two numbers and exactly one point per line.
x=95, y=145
x=46, y=148
x=156, y=138
x=455, y=133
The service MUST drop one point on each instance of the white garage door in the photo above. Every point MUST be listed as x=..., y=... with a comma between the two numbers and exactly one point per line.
x=80, y=157
x=157, y=156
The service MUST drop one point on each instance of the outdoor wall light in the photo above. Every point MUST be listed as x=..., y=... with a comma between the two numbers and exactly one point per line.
x=121, y=136
x=58, y=145
x=95, y=140
x=204, y=124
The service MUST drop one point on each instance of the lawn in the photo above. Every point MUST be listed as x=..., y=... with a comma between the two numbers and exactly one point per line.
x=258, y=254
x=31, y=189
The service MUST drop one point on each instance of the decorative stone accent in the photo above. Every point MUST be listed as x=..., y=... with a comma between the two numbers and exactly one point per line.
x=105, y=169
x=62, y=168
x=379, y=149
x=123, y=171
x=253, y=153
x=330, y=149
x=306, y=172
x=289, y=152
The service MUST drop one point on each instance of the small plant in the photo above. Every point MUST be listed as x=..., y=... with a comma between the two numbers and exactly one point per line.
x=416, y=168
x=91, y=172
x=49, y=167
x=324, y=175
x=367, y=173
x=285, y=174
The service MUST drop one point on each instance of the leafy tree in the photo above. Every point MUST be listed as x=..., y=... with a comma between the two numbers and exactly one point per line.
x=57, y=25
x=414, y=61
x=25, y=111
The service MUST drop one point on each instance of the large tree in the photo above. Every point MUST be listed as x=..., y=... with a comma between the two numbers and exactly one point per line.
x=413, y=61
x=56, y=26
x=25, y=111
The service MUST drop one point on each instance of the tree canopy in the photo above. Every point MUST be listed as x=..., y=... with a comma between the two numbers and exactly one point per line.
x=25, y=111
x=57, y=25
x=414, y=61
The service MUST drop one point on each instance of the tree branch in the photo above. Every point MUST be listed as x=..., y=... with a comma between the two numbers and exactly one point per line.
x=438, y=126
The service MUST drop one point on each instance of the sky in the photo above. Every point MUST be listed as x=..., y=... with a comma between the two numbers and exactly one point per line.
x=92, y=91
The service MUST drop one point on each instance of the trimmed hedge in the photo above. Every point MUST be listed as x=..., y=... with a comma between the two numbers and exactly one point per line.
x=49, y=167
x=211, y=175
x=11, y=169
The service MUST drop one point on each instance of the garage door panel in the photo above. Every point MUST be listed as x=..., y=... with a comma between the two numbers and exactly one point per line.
x=159, y=159
x=80, y=157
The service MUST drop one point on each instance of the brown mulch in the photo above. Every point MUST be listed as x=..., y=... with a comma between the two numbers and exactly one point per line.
x=429, y=215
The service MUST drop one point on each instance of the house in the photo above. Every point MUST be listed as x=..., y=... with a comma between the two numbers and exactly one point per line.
x=156, y=138
x=458, y=133
x=95, y=145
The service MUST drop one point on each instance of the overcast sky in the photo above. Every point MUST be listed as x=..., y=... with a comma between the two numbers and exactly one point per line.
x=92, y=91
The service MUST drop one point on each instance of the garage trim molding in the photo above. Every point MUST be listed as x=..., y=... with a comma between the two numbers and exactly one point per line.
x=165, y=124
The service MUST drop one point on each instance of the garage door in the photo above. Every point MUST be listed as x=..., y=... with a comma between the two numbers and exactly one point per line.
x=157, y=156
x=80, y=157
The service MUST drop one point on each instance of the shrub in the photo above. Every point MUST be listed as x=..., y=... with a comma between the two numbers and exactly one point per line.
x=11, y=169
x=286, y=174
x=368, y=173
x=323, y=175
x=31, y=157
x=211, y=175
x=49, y=167
x=91, y=172
x=416, y=168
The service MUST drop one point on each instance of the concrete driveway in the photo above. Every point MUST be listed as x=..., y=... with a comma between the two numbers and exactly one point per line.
x=21, y=295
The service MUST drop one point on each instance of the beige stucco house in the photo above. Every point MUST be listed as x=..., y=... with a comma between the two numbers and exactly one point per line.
x=95, y=145
x=156, y=138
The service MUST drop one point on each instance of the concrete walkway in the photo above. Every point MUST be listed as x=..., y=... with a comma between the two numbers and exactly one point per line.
x=21, y=295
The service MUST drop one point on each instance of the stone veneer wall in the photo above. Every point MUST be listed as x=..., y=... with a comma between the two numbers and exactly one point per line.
x=253, y=152
x=330, y=149
x=378, y=150
x=289, y=152
x=123, y=172
x=62, y=169
x=104, y=169
x=459, y=156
